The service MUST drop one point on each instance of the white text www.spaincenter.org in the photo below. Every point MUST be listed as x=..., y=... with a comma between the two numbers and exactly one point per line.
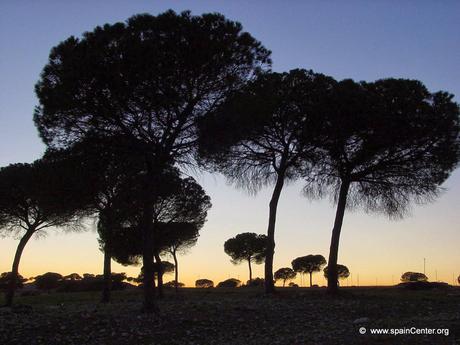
x=404, y=331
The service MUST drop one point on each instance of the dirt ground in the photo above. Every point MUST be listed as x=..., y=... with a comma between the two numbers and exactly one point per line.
x=237, y=316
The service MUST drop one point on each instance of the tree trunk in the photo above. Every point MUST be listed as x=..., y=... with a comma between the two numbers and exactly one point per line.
x=250, y=270
x=148, y=235
x=269, y=285
x=311, y=279
x=15, y=268
x=107, y=276
x=284, y=282
x=332, y=281
x=176, y=272
x=159, y=275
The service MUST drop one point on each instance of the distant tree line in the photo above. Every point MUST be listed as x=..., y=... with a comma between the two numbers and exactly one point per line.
x=129, y=107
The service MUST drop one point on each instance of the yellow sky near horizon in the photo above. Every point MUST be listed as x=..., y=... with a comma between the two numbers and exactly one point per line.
x=374, y=248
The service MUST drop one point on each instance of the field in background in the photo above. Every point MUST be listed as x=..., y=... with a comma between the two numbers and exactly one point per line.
x=234, y=316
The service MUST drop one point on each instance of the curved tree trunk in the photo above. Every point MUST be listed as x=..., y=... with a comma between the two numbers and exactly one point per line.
x=311, y=279
x=176, y=271
x=107, y=276
x=332, y=281
x=15, y=267
x=269, y=285
x=159, y=275
x=250, y=270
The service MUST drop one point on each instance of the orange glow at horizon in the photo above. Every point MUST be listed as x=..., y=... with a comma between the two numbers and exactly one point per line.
x=377, y=251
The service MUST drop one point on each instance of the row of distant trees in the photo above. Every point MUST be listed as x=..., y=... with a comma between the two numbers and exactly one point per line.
x=252, y=248
x=157, y=95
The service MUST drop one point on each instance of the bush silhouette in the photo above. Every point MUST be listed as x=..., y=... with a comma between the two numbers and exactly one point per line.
x=229, y=283
x=413, y=277
x=204, y=283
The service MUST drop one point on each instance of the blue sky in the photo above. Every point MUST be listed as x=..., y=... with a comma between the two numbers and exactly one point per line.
x=363, y=40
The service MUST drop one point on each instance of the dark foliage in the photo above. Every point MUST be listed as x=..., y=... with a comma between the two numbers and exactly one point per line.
x=204, y=283
x=285, y=274
x=148, y=80
x=73, y=277
x=247, y=246
x=424, y=285
x=384, y=145
x=308, y=264
x=255, y=138
x=93, y=283
x=256, y=282
x=179, y=213
x=229, y=283
x=5, y=280
x=342, y=272
x=48, y=281
x=413, y=277
x=174, y=284
x=48, y=193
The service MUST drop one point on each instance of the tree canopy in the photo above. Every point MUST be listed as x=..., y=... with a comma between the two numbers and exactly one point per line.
x=229, y=283
x=285, y=274
x=148, y=80
x=342, y=272
x=263, y=135
x=204, y=283
x=384, y=145
x=47, y=193
x=5, y=280
x=308, y=264
x=179, y=213
x=413, y=277
x=48, y=281
x=247, y=246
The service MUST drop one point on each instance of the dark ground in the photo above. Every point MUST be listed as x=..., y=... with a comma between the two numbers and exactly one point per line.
x=233, y=316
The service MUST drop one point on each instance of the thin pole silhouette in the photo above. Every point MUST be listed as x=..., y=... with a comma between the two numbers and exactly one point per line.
x=424, y=265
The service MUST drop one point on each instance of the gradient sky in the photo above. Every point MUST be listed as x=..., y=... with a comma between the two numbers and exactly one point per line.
x=363, y=40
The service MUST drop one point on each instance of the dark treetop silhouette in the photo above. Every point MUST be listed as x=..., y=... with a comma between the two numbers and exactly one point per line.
x=342, y=272
x=48, y=280
x=204, y=283
x=179, y=213
x=5, y=280
x=34, y=197
x=384, y=145
x=254, y=138
x=308, y=264
x=149, y=80
x=229, y=283
x=111, y=170
x=413, y=277
x=285, y=274
x=247, y=246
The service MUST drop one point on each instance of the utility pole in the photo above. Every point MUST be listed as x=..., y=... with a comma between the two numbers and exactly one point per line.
x=358, y=279
x=423, y=265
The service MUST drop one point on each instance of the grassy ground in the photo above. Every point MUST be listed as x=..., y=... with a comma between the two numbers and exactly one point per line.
x=234, y=316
